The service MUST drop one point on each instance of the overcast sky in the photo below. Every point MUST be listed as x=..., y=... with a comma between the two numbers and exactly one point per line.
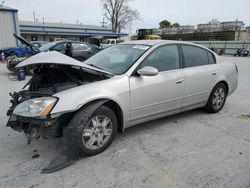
x=185, y=12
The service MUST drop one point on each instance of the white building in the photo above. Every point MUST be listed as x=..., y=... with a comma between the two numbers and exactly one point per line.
x=45, y=31
x=232, y=25
x=170, y=30
x=212, y=26
x=8, y=26
x=186, y=29
x=40, y=31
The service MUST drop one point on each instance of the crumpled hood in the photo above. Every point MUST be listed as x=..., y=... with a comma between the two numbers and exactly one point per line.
x=54, y=57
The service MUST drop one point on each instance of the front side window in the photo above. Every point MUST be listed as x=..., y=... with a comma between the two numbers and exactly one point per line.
x=60, y=47
x=194, y=56
x=163, y=59
x=46, y=47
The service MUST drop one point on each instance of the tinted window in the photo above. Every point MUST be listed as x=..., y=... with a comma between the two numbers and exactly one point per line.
x=46, y=47
x=60, y=47
x=79, y=46
x=211, y=58
x=194, y=56
x=164, y=58
x=112, y=42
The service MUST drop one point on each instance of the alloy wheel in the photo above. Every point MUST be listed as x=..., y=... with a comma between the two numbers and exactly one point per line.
x=219, y=97
x=97, y=132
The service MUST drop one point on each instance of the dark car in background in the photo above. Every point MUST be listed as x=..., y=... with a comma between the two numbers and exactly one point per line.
x=78, y=50
x=20, y=51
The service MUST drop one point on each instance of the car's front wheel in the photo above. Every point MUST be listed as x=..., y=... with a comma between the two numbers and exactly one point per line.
x=99, y=131
x=217, y=98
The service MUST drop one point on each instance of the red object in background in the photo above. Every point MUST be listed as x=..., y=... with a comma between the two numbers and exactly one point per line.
x=3, y=58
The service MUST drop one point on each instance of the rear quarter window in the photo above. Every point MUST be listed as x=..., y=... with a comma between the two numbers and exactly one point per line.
x=211, y=58
x=194, y=56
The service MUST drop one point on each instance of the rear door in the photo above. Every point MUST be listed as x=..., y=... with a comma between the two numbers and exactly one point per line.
x=81, y=51
x=200, y=73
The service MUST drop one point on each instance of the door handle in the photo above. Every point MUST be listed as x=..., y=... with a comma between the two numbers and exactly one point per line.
x=179, y=81
x=214, y=73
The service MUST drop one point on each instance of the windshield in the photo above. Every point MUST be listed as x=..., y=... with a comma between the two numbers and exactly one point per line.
x=117, y=59
x=46, y=47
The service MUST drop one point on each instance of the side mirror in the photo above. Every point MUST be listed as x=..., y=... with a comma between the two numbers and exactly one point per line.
x=147, y=71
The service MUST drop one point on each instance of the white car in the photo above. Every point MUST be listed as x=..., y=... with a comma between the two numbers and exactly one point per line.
x=121, y=86
x=110, y=42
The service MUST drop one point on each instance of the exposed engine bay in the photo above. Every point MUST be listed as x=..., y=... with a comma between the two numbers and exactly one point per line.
x=52, y=79
x=48, y=79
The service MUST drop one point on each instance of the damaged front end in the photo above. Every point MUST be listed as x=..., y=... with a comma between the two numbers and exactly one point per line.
x=45, y=126
x=47, y=80
x=31, y=107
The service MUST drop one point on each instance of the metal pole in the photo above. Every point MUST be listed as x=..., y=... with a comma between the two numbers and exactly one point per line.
x=34, y=15
x=235, y=29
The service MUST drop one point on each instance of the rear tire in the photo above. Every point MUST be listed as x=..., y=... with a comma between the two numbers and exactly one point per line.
x=216, y=99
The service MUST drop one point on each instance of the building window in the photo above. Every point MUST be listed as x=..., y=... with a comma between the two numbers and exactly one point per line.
x=33, y=38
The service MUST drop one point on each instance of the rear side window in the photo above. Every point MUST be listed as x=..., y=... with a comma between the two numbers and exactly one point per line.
x=79, y=46
x=211, y=58
x=194, y=56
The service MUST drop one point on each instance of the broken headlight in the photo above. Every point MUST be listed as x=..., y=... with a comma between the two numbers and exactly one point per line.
x=37, y=107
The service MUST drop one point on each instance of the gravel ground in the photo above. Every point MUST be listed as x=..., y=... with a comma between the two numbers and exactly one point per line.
x=192, y=149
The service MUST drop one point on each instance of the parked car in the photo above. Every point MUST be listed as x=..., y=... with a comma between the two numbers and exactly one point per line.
x=121, y=86
x=78, y=50
x=38, y=44
x=16, y=57
x=110, y=42
x=20, y=51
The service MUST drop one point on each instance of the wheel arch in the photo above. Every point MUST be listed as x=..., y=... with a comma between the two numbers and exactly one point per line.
x=113, y=105
x=221, y=81
x=225, y=83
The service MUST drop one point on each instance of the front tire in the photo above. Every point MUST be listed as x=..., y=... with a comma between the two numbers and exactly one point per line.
x=99, y=131
x=217, y=98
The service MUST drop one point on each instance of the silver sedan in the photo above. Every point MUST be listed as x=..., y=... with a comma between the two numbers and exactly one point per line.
x=124, y=85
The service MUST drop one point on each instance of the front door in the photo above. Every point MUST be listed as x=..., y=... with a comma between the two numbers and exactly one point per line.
x=154, y=96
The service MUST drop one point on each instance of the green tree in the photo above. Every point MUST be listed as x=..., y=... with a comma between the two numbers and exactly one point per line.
x=165, y=24
x=175, y=25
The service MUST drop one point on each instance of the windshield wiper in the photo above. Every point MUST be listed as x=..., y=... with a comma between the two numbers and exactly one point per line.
x=92, y=65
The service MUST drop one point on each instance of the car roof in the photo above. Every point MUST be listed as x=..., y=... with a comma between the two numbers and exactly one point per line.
x=155, y=42
x=37, y=41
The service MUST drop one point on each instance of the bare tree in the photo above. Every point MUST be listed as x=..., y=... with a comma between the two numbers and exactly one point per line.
x=119, y=13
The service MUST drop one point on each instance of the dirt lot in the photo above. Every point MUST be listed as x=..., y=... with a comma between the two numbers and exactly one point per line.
x=192, y=149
